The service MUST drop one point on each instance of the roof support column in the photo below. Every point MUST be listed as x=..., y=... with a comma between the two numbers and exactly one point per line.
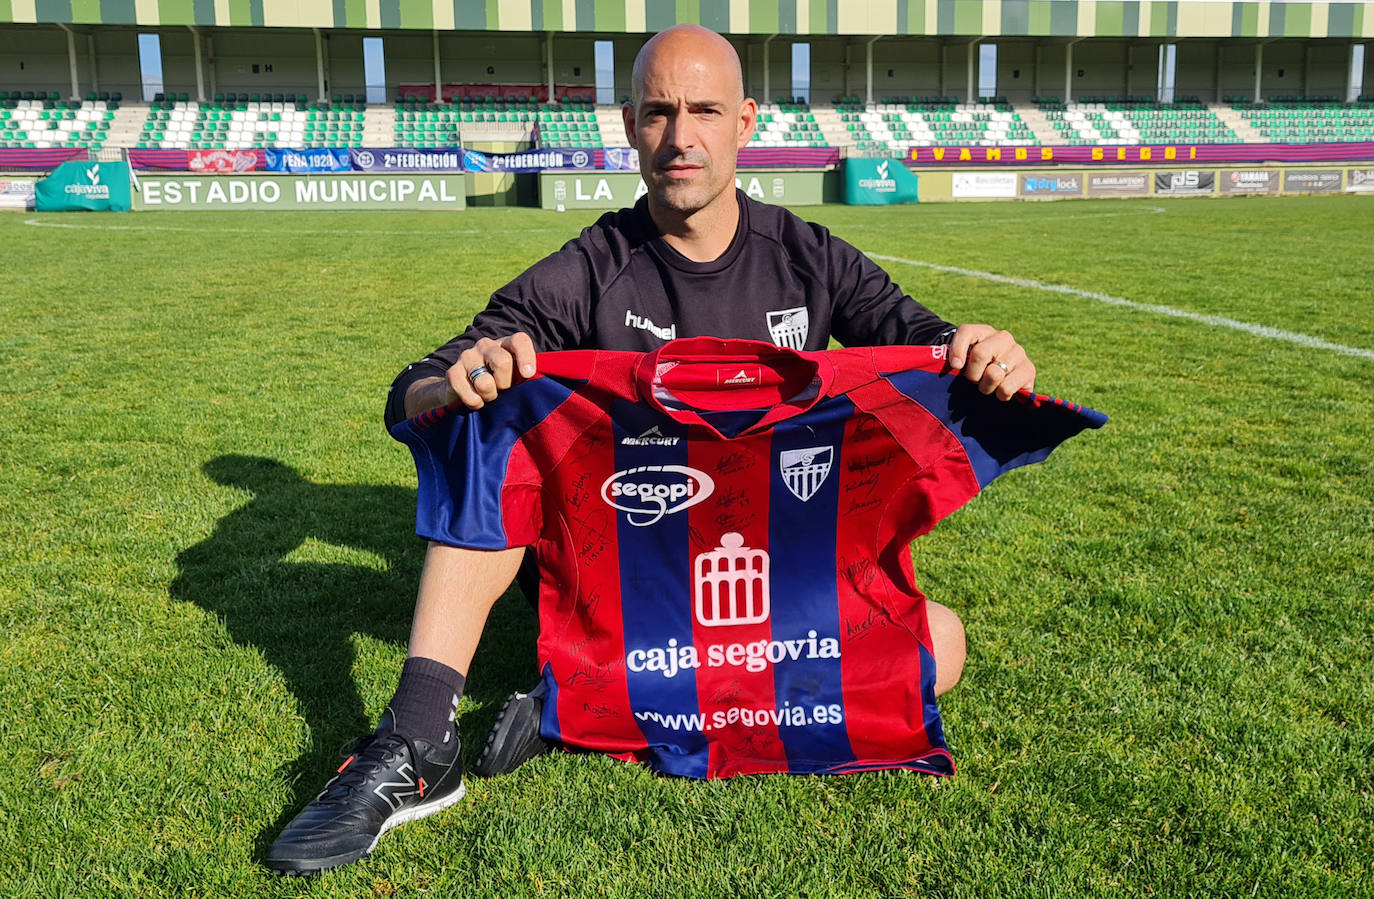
x=1306, y=66
x=90, y=56
x=1068, y=69
x=71, y=60
x=971, y=94
x=767, y=73
x=868, y=63
x=1351, y=95
x=1259, y=67
x=548, y=56
x=319, y=64
x=200, y=64
x=438, y=77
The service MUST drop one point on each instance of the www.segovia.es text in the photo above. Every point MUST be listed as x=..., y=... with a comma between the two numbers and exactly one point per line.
x=787, y=716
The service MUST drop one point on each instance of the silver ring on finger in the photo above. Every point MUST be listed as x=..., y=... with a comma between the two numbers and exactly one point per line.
x=1002, y=365
x=478, y=372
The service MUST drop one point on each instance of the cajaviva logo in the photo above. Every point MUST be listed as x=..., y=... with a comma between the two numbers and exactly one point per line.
x=649, y=492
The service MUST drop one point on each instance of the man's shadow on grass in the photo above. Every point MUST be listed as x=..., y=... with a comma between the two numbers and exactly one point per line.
x=303, y=613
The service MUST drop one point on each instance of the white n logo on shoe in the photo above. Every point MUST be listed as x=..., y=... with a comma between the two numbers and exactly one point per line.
x=393, y=791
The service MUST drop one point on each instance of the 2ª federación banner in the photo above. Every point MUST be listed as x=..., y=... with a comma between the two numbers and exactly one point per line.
x=878, y=182
x=314, y=160
x=542, y=160
x=408, y=159
x=97, y=186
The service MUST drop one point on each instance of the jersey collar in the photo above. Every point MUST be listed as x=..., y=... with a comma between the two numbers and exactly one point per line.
x=691, y=378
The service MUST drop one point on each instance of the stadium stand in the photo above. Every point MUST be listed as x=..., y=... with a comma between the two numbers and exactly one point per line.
x=900, y=123
x=242, y=121
x=40, y=119
x=39, y=122
x=789, y=122
x=1134, y=120
x=573, y=122
x=1301, y=120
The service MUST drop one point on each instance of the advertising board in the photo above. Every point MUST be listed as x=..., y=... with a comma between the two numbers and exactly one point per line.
x=615, y=190
x=984, y=184
x=1185, y=183
x=1252, y=181
x=1049, y=184
x=1360, y=181
x=1312, y=181
x=1118, y=184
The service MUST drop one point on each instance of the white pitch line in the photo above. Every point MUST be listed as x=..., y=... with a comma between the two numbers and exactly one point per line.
x=1217, y=321
x=1047, y=220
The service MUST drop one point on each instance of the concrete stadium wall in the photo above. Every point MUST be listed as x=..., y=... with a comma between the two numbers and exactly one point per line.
x=36, y=59
x=285, y=63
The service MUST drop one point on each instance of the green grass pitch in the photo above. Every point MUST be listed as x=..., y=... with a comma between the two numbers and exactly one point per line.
x=207, y=569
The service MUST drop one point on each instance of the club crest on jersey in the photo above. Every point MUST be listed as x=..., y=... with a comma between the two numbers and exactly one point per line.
x=805, y=470
x=789, y=327
x=649, y=492
x=730, y=584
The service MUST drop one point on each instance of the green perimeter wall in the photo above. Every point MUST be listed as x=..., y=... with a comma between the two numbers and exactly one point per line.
x=593, y=190
x=1107, y=182
x=609, y=190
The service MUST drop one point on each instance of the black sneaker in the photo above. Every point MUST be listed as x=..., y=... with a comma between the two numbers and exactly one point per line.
x=387, y=780
x=514, y=738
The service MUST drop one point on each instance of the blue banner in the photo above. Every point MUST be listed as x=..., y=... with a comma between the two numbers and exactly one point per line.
x=408, y=159
x=319, y=159
x=529, y=161
x=622, y=159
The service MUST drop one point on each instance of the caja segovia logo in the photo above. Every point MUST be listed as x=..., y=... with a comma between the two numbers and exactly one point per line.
x=730, y=588
x=649, y=492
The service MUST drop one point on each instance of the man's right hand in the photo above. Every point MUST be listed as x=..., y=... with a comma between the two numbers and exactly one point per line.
x=489, y=367
x=501, y=359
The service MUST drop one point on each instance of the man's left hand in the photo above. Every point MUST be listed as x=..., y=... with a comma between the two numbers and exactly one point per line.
x=992, y=359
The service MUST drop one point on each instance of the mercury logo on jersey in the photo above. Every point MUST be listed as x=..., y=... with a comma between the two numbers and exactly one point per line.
x=649, y=492
x=651, y=437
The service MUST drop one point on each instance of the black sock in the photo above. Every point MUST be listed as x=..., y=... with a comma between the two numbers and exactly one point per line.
x=426, y=701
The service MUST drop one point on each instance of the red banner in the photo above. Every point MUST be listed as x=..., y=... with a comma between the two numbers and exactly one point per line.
x=222, y=162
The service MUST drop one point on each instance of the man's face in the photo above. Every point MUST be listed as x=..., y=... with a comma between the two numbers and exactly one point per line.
x=688, y=126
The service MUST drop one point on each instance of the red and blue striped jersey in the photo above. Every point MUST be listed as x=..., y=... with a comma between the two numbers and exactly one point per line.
x=723, y=530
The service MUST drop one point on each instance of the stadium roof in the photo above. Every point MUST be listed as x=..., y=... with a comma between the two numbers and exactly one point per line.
x=996, y=18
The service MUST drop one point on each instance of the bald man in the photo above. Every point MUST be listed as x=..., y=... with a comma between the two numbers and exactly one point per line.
x=694, y=257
